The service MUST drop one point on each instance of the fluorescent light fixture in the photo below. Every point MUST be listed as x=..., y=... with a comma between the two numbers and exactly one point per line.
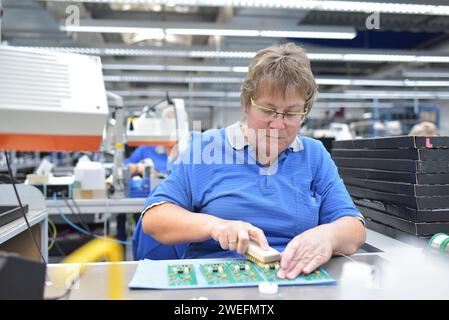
x=425, y=83
x=240, y=69
x=181, y=68
x=317, y=5
x=154, y=32
x=171, y=79
x=222, y=54
x=181, y=94
x=333, y=81
x=209, y=29
x=325, y=56
x=199, y=68
x=196, y=103
x=433, y=59
x=213, y=32
x=375, y=82
x=138, y=67
x=378, y=57
x=386, y=92
x=371, y=94
x=417, y=57
x=308, y=34
x=381, y=82
x=238, y=80
x=426, y=73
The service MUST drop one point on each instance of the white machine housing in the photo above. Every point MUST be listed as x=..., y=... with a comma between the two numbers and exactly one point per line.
x=159, y=127
x=51, y=101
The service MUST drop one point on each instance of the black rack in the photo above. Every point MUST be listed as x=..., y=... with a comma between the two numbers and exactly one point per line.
x=400, y=184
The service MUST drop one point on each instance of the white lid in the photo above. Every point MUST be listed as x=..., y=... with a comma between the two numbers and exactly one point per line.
x=268, y=287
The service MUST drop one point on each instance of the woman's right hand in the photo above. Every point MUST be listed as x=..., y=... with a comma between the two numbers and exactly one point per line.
x=235, y=235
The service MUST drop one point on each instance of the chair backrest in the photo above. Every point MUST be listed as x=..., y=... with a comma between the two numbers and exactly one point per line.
x=146, y=247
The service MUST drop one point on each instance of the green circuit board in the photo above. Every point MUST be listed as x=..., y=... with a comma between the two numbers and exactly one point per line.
x=318, y=274
x=234, y=272
x=270, y=273
x=243, y=271
x=240, y=271
x=216, y=273
x=180, y=275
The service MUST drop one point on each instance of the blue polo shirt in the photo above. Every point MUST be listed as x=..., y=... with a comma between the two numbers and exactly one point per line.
x=219, y=175
x=160, y=159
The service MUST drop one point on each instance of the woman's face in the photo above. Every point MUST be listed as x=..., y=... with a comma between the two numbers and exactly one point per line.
x=273, y=132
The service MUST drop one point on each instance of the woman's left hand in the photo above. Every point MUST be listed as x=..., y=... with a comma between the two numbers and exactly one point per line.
x=306, y=252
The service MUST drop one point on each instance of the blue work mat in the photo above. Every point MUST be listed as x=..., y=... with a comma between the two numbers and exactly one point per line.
x=153, y=274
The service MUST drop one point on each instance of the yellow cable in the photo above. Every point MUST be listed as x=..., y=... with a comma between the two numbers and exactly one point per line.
x=94, y=250
x=54, y=231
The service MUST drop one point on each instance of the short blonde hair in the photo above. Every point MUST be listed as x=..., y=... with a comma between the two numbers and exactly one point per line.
x=285, y=67
x=424, y=128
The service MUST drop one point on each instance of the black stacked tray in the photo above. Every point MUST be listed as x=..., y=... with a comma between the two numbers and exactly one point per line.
x=400, y=184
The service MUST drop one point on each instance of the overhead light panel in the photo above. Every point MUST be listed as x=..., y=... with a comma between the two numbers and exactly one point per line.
x=316, y=5
x=426, y=73
x=372, y=94
x=308, y=34
x=180, y=94
x=238, y=80
x=381, y=82
x=411, y=57
x=111, y=29
x=171, y=79
x=162, y=28
x=180, y=68
x=213, y=32
x=378, y=57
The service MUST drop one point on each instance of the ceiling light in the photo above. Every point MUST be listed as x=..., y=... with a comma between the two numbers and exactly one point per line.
x=240, y=69
x=171, y=79
x=426, y=73
x=316, y=5
x=154, y=32
x=213, y=32
x=140, y=67
x=433, y=59
x=309, y=34
x=417, y=57
x=162, y=28
x=372, y=94
x=181, y=68
x=181, y=94
x=378, y=57
x=238, y=80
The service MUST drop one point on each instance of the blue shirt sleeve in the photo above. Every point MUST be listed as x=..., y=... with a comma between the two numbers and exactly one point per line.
x=335, y=199
x=135, y=157
x=175, y=188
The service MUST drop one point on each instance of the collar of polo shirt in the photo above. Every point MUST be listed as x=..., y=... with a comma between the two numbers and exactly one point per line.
x=235, y=130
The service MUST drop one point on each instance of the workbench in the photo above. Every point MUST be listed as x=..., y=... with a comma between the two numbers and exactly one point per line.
x=386, y=254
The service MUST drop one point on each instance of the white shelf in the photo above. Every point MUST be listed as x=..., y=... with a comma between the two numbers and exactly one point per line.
x=127, y=205
x=12, y=229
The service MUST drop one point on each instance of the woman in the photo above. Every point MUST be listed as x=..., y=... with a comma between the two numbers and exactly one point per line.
x=258, y=179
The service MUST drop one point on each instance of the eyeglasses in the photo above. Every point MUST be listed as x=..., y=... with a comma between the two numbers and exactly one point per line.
x=271, y=114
